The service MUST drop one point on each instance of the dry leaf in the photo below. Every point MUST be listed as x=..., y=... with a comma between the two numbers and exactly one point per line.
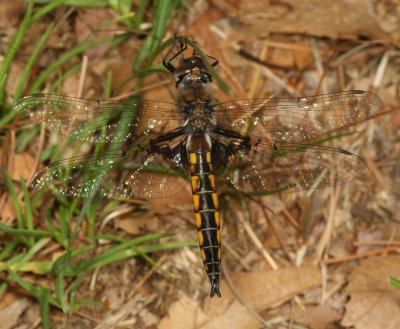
x=303, y=58
x=137, y=225
x=166, y=205
x=10, y=13
x=259, y=290
x=318, y=317
x=186, y=314
x=282, y=57
x=374, y=303
x=22, y=167
x=13, y=76
x=7, y=213
x=264, y=289
x=12, y=313
x=235, y=317
x=183, y=314
x=334, y=19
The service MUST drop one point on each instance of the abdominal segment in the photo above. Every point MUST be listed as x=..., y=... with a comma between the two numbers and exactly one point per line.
x=207, y=215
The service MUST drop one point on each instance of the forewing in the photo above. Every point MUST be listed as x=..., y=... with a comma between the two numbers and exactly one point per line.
x=296, y=119
x=97, y=121
x=115, y=174
x=287, y=167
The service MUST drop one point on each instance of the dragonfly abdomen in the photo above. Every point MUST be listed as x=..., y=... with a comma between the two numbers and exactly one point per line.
x=206, y=211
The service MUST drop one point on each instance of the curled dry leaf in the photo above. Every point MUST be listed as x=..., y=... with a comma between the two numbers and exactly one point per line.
x=374, y=303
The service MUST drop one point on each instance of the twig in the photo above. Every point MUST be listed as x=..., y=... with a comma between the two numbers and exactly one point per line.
x=376, y=243
x=382, y=181
x=362, y=255
x=141, y=90
x=82, y=76
x=318, y=64
x=255, y=81
x=275, y=232
x=237, y=257
x=380, y=72
x=257, y=242
x=238, y=296
x=326, y=236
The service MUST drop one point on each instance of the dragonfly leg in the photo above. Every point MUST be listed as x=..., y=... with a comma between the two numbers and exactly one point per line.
x=167, y=62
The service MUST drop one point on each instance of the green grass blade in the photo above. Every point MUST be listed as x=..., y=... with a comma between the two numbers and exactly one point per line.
x=139, y=14
x=28, y=210
x=394, y=282
x=122, y=7
x=38, y=246
x=44, y=299
x=78, y=3
x=138, y=240
x=64, y=59
x=30, y=288
x=28, y=67
x=14, y=198
x=108, y=85
x=8, y=248
x=7, y=118
x=149, y=50
x=125, y=250
x=3, y=289
x=36, y=267
x=23, y=233
x=13, y=48
x=59, y=289
x=46, y=9
x=26, y=137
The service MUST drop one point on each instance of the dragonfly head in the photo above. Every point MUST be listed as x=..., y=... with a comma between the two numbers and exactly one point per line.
x=192, y=71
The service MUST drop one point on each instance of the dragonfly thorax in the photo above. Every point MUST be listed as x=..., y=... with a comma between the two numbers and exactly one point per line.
x=198, y=118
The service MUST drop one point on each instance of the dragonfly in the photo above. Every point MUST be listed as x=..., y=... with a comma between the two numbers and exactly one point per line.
x=154, y=149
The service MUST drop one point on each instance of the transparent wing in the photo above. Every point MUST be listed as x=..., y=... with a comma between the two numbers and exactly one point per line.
x=115, y=174
x=97, y=121
x=297, y=119
x=270, y=167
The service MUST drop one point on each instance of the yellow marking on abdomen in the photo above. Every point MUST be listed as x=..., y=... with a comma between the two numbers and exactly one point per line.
x=201, y=238
x=197, y=215
x=193, y=158
x=196, y=201
x=219, y=236
x=203, y=254
x=195, y=183
x=219, y=253
x=212, y=181
x=217, y=220
x=208, y=157
x=215, y=200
